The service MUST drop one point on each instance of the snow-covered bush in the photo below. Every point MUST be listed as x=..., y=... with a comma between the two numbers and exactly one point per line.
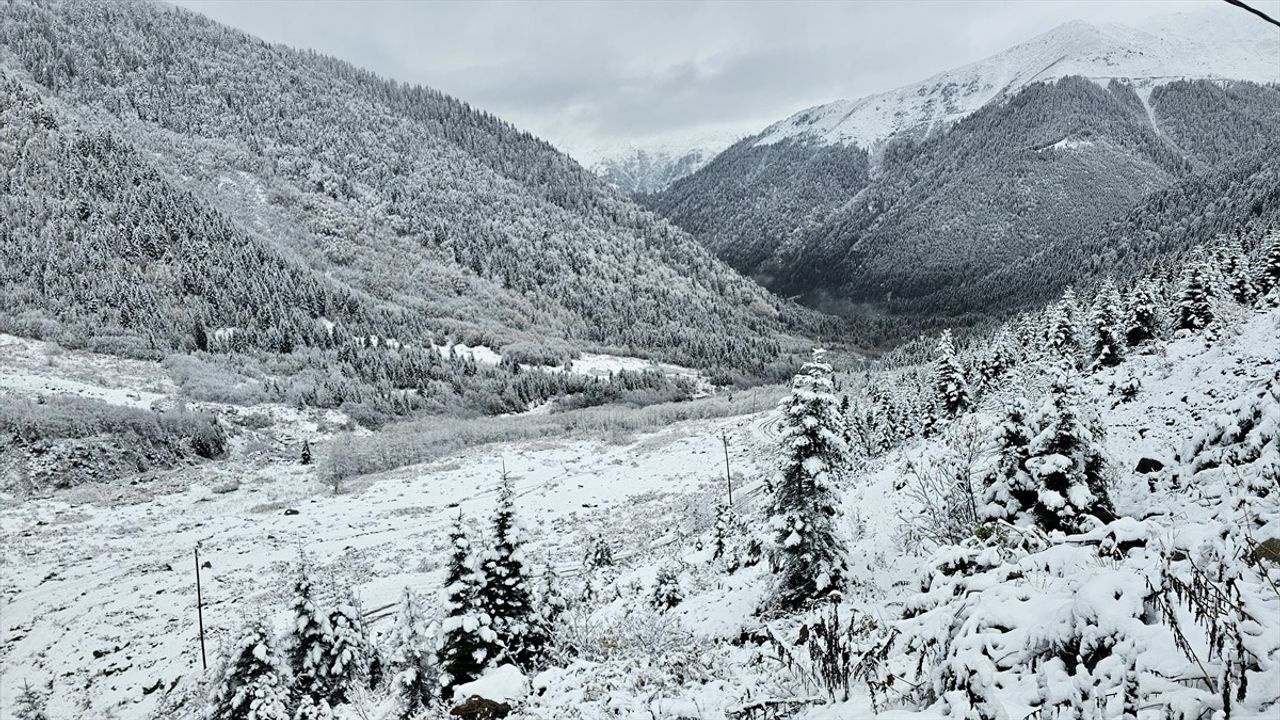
x=944, y=483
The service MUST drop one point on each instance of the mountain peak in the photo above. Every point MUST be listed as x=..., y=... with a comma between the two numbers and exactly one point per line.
x=1198, y=45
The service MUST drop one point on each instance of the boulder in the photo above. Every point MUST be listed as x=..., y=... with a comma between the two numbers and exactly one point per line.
x=478, y=708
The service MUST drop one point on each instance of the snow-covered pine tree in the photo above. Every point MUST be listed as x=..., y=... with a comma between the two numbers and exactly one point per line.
x=1105, y=327
x=950, y=387
x=549, y=605
x=1194, y=309
x=599, y=554
x=807, y=555
x=415, y=681
x=1235, y=270
x=722, y=531
x=507, y=595
x=997, y=360
x=308, y=640
x=252, y=682
x=1140, y=314
x=1063, y=335
x=1008, y=491
x=1267, y=281
x=666, y=588
x=467, y=642
x=30, y=704
x=346, y=658
x=311, y=709
x=1066, y=461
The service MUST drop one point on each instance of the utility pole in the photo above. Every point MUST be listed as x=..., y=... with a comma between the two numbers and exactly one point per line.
x=204, y=662
x=728, y=477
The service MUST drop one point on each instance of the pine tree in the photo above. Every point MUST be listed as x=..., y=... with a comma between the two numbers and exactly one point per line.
x=807, y=555
x=1267, y=282
x=306, y=452
x=599, y=554
x=1235, y=271
x=507, y=596
x=1008, y=490
x=412, y=666
x=1140, y=314
x=308, y=641
x=346, y=658
x=468, y=643
x=30, y=704
x=1104, y=327
x=666, y=588
x=951, y=389
x=547, y=609
x=311, y=709
x=998, y=359
x=1064, y=327
x=1195, y=308
x=252, y=684
x=1065, y=460
x=725, y=527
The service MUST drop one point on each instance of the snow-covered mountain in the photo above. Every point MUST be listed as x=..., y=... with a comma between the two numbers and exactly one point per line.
x=993, y=184
x=1198, y=45
x=647, y=165
x=638, y=170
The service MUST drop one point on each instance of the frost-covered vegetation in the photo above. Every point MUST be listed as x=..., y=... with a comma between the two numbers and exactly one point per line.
x=245, y=202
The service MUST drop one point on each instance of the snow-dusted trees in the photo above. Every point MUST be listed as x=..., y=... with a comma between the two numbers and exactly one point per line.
x=507, y=592
x=807, y=555
x=413, y=670
x=1140, y=314
x=30, y=704
x=1194, y=310
x=1065, y=459
x=252, y=683
x=997, y=360
x=951, y=389
x=1235, y=273
x=1008, y=490
x=1105, y=331
x=548, y=606
x=666, y=588
x=1063, y=333
x=467, y=642
x=308, y=641
x=1267, y=281
x=346, y=658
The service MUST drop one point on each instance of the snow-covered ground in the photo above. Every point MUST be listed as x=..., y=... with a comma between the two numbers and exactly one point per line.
x=99, y=591
x=99, y=583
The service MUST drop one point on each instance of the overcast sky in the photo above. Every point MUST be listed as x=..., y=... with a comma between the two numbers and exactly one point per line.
x=592, y=75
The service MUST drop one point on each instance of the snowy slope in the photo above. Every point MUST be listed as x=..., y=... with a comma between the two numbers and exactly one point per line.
x=99, y=592
x=1221, y=44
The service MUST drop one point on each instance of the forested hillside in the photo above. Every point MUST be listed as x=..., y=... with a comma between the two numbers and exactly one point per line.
x=286, y=204
x=1003, y=209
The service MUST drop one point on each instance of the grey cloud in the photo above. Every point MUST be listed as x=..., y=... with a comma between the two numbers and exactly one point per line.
x=582, y=74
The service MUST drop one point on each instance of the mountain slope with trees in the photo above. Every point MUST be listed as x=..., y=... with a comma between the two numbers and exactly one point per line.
x=293, y=201
x=996, y=207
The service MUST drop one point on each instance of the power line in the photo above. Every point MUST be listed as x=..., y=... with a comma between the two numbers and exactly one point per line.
x=1255, y=11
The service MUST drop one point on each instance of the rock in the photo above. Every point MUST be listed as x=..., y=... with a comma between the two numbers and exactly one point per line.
x=1268, y=549
x=478, y=708
x=290, y=511
x=226, y=487
x=1148, y=465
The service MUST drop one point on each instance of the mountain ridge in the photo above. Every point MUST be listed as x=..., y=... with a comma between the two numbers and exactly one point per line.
x=1162, y=51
